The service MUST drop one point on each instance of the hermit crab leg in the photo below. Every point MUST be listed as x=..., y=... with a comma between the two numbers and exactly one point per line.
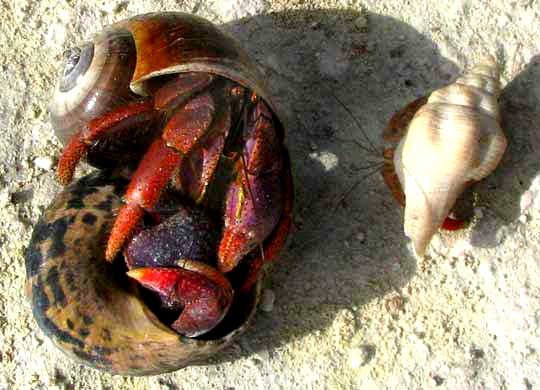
x=277, y=238
x=181, y=135
x=117, y=119
x=197, y=168
x=250, y=212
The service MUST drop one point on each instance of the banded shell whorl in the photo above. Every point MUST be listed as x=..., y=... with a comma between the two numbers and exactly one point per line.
x=453, y=140
x=88, y=307
x=95, y=79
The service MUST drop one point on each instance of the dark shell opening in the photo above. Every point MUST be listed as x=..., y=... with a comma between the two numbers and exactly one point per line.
x=179, y=216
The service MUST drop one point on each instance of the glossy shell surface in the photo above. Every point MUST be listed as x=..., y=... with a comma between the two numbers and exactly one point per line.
x=148, y=47
x=89, y=308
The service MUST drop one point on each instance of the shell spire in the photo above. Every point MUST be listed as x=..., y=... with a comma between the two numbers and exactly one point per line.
x=453, y=140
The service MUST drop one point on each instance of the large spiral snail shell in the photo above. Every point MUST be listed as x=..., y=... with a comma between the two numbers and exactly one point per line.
x=89, y=308
x=453, y=140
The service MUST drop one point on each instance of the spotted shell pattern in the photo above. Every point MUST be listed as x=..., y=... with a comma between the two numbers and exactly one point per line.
x=453, y=140
x=90, y=309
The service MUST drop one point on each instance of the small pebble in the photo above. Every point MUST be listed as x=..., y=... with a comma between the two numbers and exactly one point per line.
x=45, y=163
x=435, y=381
x=5, y=197
x=252, y=363
x=526, y=200
x=358, y=356
x=501, y=234
x=56, y=33
x=419, y=330
x=394, y=304
x=503, y=20
x=361, y=22
x=486, y=270
x=478, y=212
x=360, y=236
x=36, y=111
x=476, y=353
x=344, y=325
x=109, y=7
x=267, y=300
x=523, y=218
x=460, y=249
x=438, y=245
x=328, y=160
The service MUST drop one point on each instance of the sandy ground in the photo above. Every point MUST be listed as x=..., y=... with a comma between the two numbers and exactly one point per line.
x=353, y=308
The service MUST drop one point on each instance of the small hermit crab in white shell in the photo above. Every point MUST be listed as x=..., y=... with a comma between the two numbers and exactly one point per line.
x=439, y=145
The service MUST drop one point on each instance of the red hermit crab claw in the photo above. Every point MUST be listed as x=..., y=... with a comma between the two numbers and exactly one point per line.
x=204, y=294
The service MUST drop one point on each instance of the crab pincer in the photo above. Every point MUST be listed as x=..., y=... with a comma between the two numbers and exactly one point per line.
x=251, y=213
x=174, y=260
x=204, y=294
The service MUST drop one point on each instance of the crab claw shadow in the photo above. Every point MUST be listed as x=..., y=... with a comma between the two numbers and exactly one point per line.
x=337, y=78
x=501, y=192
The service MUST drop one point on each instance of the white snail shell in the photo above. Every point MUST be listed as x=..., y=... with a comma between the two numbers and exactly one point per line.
x=454, y=139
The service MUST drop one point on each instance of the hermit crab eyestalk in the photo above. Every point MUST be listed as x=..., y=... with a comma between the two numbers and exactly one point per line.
x=445, y=144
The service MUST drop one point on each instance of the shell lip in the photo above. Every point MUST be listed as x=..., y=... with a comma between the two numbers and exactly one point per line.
x=212, y=340
x=223, y=67
x=112, y=351
x=226, y=330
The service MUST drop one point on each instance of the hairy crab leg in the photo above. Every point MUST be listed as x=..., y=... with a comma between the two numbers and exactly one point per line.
x=166, y=97
x=119, y=118
x=394, y=132
x=181, y=135
x=250, y=213
x=197, y=168
x=273, y=244
x=183, y=87
x=142, y=193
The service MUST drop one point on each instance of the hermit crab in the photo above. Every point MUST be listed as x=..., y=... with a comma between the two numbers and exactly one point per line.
x=439, y=145
x=155, y=261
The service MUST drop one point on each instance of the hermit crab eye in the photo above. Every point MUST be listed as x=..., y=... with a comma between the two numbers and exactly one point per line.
x=77, y=62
